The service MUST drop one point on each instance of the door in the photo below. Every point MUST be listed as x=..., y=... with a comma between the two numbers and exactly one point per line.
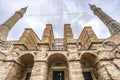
x=58, y=75
x=87, y=76
x=28, y=76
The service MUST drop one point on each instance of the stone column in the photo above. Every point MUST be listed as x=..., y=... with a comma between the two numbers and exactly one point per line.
x=2, y=70
x=107, y=71
x=112, y=70
x=8, y=68
x=102, y=74
x=15, y=72
x=75, y=70
x=39, y=71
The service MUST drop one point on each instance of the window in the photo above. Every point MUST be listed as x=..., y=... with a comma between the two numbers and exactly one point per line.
x=58, y=75
x=87, y=75
x=58, y=47
x=109, y=45
x=7, y=46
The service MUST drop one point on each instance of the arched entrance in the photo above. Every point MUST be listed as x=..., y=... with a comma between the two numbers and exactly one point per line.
x=88, y=61
x=21, y=69
x=58, y=67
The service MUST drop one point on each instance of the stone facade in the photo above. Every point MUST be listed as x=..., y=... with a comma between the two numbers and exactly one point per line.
x=85, y=58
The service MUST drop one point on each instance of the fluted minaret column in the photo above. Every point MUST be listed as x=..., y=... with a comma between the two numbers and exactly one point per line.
x=6, y=27
x=111, y=24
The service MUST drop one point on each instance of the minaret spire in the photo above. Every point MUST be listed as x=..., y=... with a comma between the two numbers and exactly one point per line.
x=90, y=4
x=25, y=8
x=111, y=24
x=6, y=26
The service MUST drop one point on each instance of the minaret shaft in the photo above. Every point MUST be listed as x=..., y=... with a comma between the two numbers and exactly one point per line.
x=13, y=20
x=6, y=27
x=111, y=24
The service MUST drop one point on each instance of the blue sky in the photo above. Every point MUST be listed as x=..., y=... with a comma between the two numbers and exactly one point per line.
x=58, y=12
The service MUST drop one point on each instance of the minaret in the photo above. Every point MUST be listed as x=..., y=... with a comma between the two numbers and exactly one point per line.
x=6, y=27
x=111, y=24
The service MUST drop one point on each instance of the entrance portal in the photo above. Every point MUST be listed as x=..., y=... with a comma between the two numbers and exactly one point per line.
x=58, y=75
x=58, y=67
x=87, y=76
x=21, y=69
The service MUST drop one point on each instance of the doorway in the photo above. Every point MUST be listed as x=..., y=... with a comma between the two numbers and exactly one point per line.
x=58, y=75
x=58, y=67
x=87, y=75
x=28, y=76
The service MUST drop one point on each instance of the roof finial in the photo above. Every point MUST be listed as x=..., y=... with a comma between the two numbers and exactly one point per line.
x=25, y=8
x=89, y=4
x=92, y=6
